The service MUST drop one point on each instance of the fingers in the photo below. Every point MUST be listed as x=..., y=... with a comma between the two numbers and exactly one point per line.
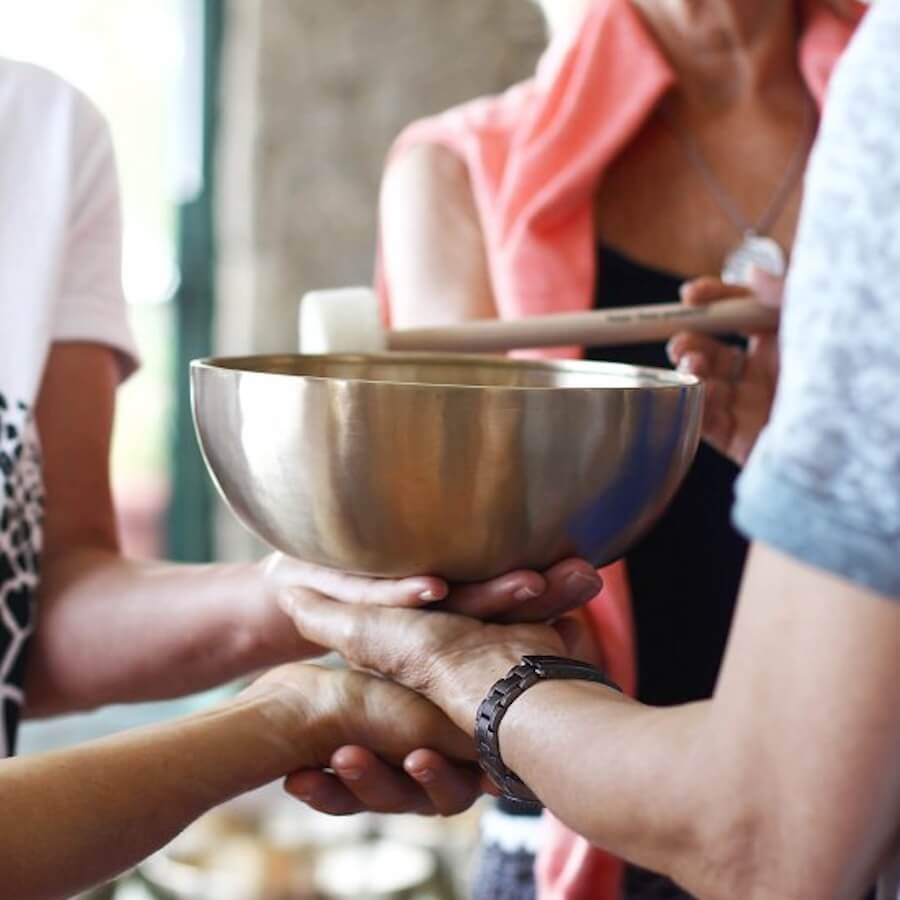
x=408, y=592
x=521, y=596
x=766, y=287
x=717, y=364
x=565, y=586
x=431, y=785
x=709, y=289
x=704, y=356
x=487, y=599
x=376, y=785
x=570, y=585
x=718, y=415
x=699, y=354
x=323, y=792
x=451, y=789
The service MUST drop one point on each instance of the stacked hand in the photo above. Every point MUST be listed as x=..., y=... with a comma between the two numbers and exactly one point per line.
x=388, y=748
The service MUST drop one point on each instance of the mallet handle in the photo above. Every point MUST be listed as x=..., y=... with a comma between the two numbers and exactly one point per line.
x=626, y=325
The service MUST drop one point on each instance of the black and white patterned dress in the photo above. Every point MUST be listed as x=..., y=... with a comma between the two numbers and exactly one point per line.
x=21, y=513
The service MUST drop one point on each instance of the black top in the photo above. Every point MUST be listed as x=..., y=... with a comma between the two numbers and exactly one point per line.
x=685, y=573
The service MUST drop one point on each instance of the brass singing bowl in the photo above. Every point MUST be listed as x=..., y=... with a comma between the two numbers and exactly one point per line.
x=460, y=466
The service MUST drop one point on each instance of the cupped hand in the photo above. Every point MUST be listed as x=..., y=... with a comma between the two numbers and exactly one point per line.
x=521, y=596
x=740, y=384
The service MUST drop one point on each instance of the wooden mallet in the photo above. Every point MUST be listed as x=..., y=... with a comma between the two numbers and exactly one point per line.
x=349, y=321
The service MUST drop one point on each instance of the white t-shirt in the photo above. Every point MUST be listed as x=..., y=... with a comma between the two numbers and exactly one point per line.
x=60, y=280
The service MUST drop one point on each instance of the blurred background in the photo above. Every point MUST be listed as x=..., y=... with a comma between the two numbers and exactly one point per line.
x=250, y=136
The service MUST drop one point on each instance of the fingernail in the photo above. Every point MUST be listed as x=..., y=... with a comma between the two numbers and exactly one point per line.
x=685, y=365
x=425, y=776
x=303, y=798
x=523, y=594
x=586, y=587
x=429, y=596
x=670, y=351
x=350, y=774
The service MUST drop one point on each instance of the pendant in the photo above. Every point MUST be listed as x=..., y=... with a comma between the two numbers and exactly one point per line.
x=754, y=250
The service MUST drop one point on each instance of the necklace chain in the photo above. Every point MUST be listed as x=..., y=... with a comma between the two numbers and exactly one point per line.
x=722, y=196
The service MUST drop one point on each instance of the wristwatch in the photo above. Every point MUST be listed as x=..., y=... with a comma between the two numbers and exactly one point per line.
x=493, y=708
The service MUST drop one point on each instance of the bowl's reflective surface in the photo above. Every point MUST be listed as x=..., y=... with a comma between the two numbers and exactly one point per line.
x=459, y=466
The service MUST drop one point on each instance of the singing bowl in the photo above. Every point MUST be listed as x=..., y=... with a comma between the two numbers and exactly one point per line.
x=460, y=466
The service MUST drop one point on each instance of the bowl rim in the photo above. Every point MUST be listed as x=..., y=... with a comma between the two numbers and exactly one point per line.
x=661, y=379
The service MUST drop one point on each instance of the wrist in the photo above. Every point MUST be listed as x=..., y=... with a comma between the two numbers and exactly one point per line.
x=280, y=709
x=272, y=637
x=524, y=726
x=508, y=695
x=459, y=690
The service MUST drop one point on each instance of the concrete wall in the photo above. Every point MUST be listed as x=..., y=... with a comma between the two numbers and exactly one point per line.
x=313, y=93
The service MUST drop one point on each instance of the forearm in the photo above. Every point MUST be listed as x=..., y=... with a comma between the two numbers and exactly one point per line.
x=78, y=817
x=784, y=787
x=657, y=787
x=687, y=791
x=626, y=776
x=629, y=782
x=116, y=630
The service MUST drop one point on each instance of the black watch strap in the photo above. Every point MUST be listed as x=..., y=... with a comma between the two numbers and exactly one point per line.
x=526, y=674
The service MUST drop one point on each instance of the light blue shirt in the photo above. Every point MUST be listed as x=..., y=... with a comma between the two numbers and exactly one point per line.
x=823, y=484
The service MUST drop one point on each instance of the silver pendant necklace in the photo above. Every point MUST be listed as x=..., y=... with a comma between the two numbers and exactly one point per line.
x=756, y=248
